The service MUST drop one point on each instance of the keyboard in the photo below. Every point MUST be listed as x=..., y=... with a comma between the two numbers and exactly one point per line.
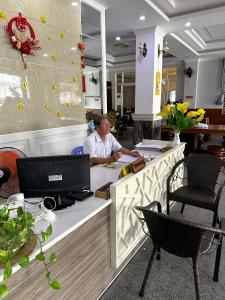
x=79, y=196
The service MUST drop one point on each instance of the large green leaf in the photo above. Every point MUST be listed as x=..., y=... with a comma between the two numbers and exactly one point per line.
x=53, y=258
x=4, y=255
x=49, y=230
x=23, y=236
x=40, y=256
x=20, y=212
x=23, y=261
x=44, y=236
x=7, y=271
x=55, y=284
x=29, y=220
x=10, y=225
x=4, y=291
x=4, y=213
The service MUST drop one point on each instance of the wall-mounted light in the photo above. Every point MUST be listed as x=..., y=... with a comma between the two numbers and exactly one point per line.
x=143, y=49
x=92, y=79
x=165, y=49
x=188, y=72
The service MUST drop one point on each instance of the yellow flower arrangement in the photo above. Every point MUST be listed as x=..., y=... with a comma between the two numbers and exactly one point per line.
x=179, y=117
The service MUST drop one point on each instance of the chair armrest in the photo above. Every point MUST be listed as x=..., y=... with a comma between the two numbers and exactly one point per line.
x=172, y=173
x=216, y=230
x=151, y=206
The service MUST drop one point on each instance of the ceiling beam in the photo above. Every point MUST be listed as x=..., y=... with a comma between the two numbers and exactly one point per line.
x=194, y=38
x=184, y=43
x=172, y=3
x=158, y=10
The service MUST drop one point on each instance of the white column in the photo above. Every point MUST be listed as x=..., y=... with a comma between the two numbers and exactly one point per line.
x=104, y=77
x=147, y=103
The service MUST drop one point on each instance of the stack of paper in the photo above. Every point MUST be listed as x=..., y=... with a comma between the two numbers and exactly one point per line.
x=150, y=146
x=127, y=158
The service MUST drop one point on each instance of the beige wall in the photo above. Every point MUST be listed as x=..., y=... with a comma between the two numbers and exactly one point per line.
x=65, y=101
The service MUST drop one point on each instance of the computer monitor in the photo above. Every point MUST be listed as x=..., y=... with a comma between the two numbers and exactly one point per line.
x=53, y=175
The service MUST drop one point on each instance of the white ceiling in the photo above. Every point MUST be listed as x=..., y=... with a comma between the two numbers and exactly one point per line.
x=206, y=36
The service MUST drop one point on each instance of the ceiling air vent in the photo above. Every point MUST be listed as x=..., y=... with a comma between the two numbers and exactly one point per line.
x=121, y=45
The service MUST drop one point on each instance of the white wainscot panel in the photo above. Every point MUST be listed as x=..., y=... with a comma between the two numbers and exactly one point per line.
x=22, y=145
x=56, y=141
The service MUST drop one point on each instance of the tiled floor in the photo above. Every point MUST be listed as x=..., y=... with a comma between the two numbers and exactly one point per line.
x=171, y=278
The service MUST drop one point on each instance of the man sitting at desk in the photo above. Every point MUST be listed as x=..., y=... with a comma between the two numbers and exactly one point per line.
x=102, y=145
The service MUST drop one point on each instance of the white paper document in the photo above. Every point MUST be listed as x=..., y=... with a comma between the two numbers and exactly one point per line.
x=127, y=158
x=149, y=146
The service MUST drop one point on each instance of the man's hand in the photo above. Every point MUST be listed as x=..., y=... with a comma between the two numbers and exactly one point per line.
x=135, y=153
x=116, y=156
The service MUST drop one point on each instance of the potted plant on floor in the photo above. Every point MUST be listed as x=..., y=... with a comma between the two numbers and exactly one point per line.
x=17, y=240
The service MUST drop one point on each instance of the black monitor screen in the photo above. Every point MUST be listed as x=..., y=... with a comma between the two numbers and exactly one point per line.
x=53, y=175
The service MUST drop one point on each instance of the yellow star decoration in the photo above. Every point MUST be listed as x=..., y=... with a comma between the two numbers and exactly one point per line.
x=62, y=35
x=59, y=114
x=49, y=38
x=54, y=87
x=47, y=106
x=20, y=106
x=25, y=85
x=54, y=57
x=68, y=104
x=43, y=19
x=74, y=78
x=3, y=15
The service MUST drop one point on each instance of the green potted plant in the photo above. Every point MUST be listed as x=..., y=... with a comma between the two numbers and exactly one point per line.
x=17, y=237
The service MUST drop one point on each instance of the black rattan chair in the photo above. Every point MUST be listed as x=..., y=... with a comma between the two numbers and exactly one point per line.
x=198, y=188
x=181, y=238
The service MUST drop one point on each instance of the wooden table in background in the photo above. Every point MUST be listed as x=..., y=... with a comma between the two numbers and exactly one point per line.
x=212, y=129
x=191, y=135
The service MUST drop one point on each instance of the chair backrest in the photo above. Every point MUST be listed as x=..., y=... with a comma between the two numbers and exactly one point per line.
x=203, y=170
x=175, y=236
x=77, y=150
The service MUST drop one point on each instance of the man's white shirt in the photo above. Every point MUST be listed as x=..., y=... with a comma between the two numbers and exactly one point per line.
x=96, y=147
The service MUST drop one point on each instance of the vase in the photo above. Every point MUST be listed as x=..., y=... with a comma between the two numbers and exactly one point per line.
x=176, y=139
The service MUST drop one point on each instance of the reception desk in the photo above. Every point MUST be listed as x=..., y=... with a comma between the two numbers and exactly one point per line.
x=94, y=239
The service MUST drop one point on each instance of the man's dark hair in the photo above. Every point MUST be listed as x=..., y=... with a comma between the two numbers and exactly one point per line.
x=98, y=119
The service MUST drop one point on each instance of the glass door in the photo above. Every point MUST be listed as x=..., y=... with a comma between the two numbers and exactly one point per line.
x=169, y=81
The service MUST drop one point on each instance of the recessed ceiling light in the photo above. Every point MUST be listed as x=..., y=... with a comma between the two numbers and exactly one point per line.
x=73, y=48
x=74, y=3
x=188, y=24
x=45, y=54
x=118, y=38
x=142, y=18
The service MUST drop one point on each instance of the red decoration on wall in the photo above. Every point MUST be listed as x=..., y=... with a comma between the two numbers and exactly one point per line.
x=81, y=46
x=83, y=74
x=22, y=36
